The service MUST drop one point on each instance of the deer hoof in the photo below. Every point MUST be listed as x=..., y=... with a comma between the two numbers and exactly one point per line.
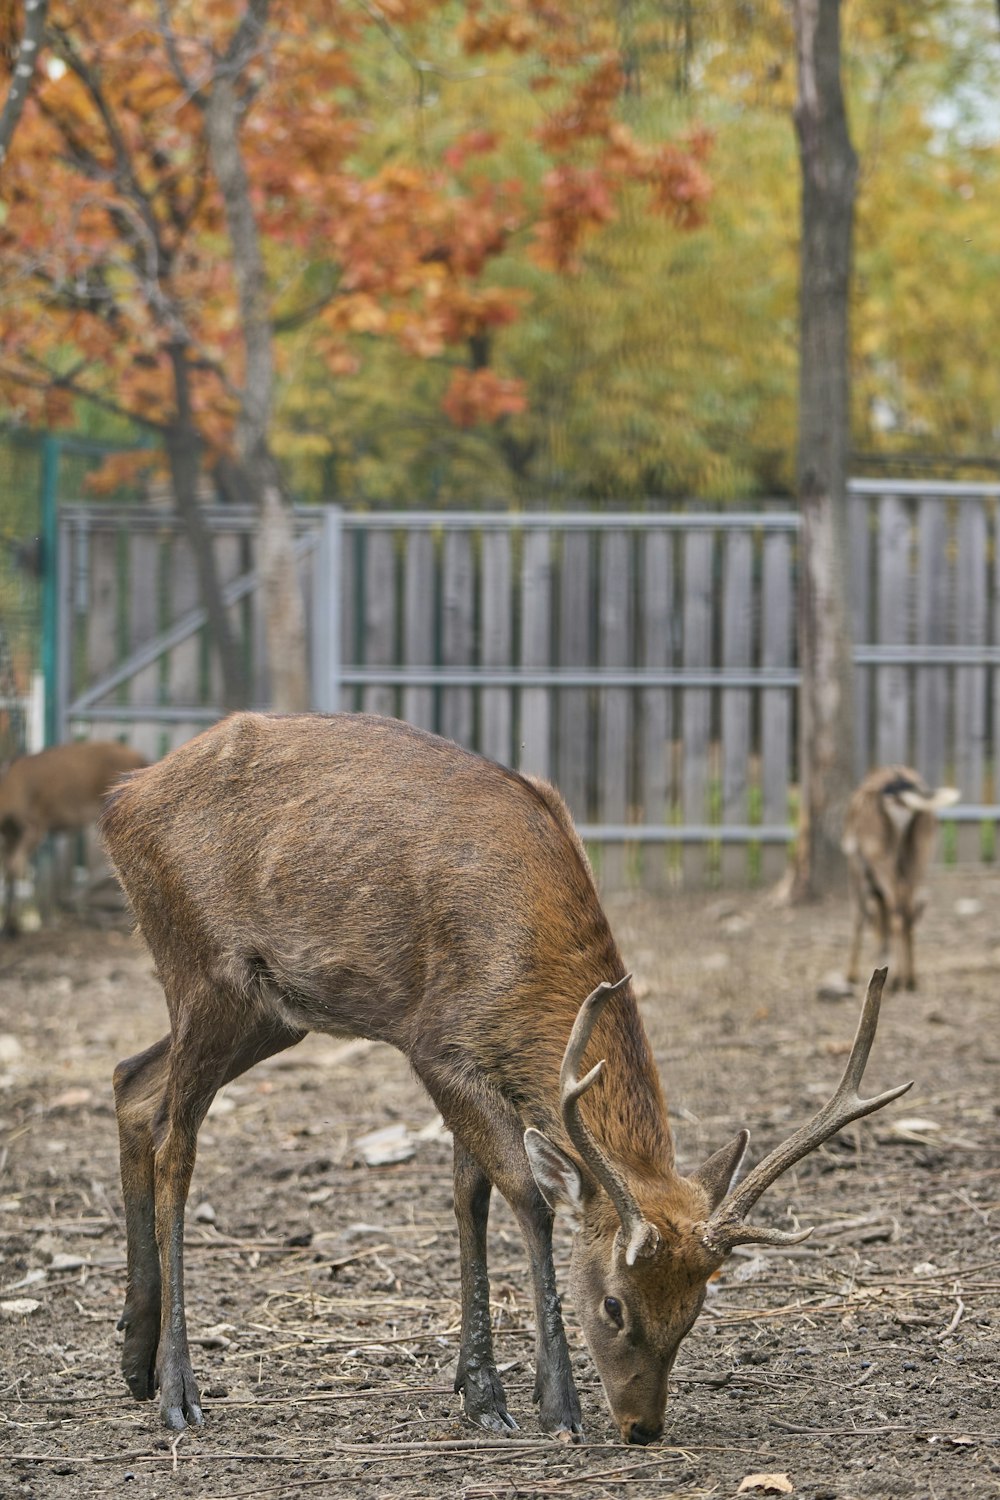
x=180, y=1403
x=501, y=1422
x=177, y=1418
x=567, y=1432
x=484, y=1400
x=564, y=1423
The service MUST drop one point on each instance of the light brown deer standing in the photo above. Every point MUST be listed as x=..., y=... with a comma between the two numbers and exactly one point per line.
x=889, y=833
x=55, y=791
x=357, y=876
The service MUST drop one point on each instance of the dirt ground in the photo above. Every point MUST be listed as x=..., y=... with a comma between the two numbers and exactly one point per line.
x=322, y=1293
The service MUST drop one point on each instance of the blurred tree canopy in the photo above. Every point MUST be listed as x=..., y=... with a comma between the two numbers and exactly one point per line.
x=517, y=252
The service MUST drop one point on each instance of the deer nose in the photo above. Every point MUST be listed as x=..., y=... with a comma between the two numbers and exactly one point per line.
x=643, y=1435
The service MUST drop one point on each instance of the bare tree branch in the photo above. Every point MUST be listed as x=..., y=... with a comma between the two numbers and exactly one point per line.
x=48, y=379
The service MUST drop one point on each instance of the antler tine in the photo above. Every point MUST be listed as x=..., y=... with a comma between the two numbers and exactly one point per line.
x=638, y=1232
x=726, y=1228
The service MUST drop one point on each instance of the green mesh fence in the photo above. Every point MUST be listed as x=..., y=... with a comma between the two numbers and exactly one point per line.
x=21, y=564
x=37, y=473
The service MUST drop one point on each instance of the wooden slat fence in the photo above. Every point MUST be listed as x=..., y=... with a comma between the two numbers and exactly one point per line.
x=645, y=663
x=925, y=564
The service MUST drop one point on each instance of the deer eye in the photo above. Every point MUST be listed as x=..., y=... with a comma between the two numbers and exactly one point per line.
x=613, y=1308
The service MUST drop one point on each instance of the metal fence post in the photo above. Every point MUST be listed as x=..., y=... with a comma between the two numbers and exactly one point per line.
x=326, y=649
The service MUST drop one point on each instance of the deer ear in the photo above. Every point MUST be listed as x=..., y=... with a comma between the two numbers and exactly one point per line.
x=558, y=1178
x=718, y=1174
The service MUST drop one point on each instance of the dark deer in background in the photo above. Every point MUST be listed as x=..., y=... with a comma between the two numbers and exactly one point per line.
x=889, y=834
x=353, y=875
x=56, y=791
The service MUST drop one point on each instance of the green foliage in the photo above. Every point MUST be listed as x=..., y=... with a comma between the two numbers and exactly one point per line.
x=667, y=364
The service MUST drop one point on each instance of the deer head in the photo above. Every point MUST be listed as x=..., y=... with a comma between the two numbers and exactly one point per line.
x=645, y=1247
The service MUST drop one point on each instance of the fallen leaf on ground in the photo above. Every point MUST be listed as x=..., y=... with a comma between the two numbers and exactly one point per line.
x=385, y=1147
x=19, y=1307
x=72, y=1098
x=768, y=1484
x=914, y=1126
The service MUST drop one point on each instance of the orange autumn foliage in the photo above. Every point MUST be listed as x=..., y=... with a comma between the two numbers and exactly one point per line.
x=114, y=249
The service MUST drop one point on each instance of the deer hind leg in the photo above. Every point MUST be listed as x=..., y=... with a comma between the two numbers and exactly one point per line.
x=20, y=842
x=140, y=1092
x=493, y=1134
x=163, y=1096
x=476, y=1378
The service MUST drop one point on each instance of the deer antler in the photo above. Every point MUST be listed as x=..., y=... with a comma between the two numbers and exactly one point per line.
x=641, y=1237
x=726, y=1228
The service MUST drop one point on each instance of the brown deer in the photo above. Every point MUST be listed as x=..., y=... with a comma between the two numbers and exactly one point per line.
x=56, y=791
x=353, y=875
x=888, y=838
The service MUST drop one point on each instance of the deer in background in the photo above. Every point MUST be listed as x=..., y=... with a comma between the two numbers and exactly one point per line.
x=354, y=875
x=56, y=791
x=888, y=838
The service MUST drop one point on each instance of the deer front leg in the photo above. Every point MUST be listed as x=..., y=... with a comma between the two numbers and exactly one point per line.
x=9, y=923
x=857, y=898
x=478, y=1114
x=912, y=909
x=476, y=1378
x=555, y=1391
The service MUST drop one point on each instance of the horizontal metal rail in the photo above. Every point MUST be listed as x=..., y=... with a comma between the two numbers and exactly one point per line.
x=569, y=677
x=927, y=656
x=692, y=833
x=144, y=713
x=945, y=489
x=558, y=520
x=244, y=519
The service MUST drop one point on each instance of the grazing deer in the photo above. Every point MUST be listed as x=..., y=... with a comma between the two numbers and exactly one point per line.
x=889, y=834
x=353, y=875
x=56, y=791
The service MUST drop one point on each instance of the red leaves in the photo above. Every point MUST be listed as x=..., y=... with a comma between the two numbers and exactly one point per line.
x=473, y=143
x=575, y=201
x=589, y=112
x=680, y=188
x=476, y=396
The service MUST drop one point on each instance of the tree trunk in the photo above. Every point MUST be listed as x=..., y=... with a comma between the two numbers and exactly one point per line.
x=826, y=713
x=23, y=72
x=280, y=592
x=282, y=597
x=183, y=452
